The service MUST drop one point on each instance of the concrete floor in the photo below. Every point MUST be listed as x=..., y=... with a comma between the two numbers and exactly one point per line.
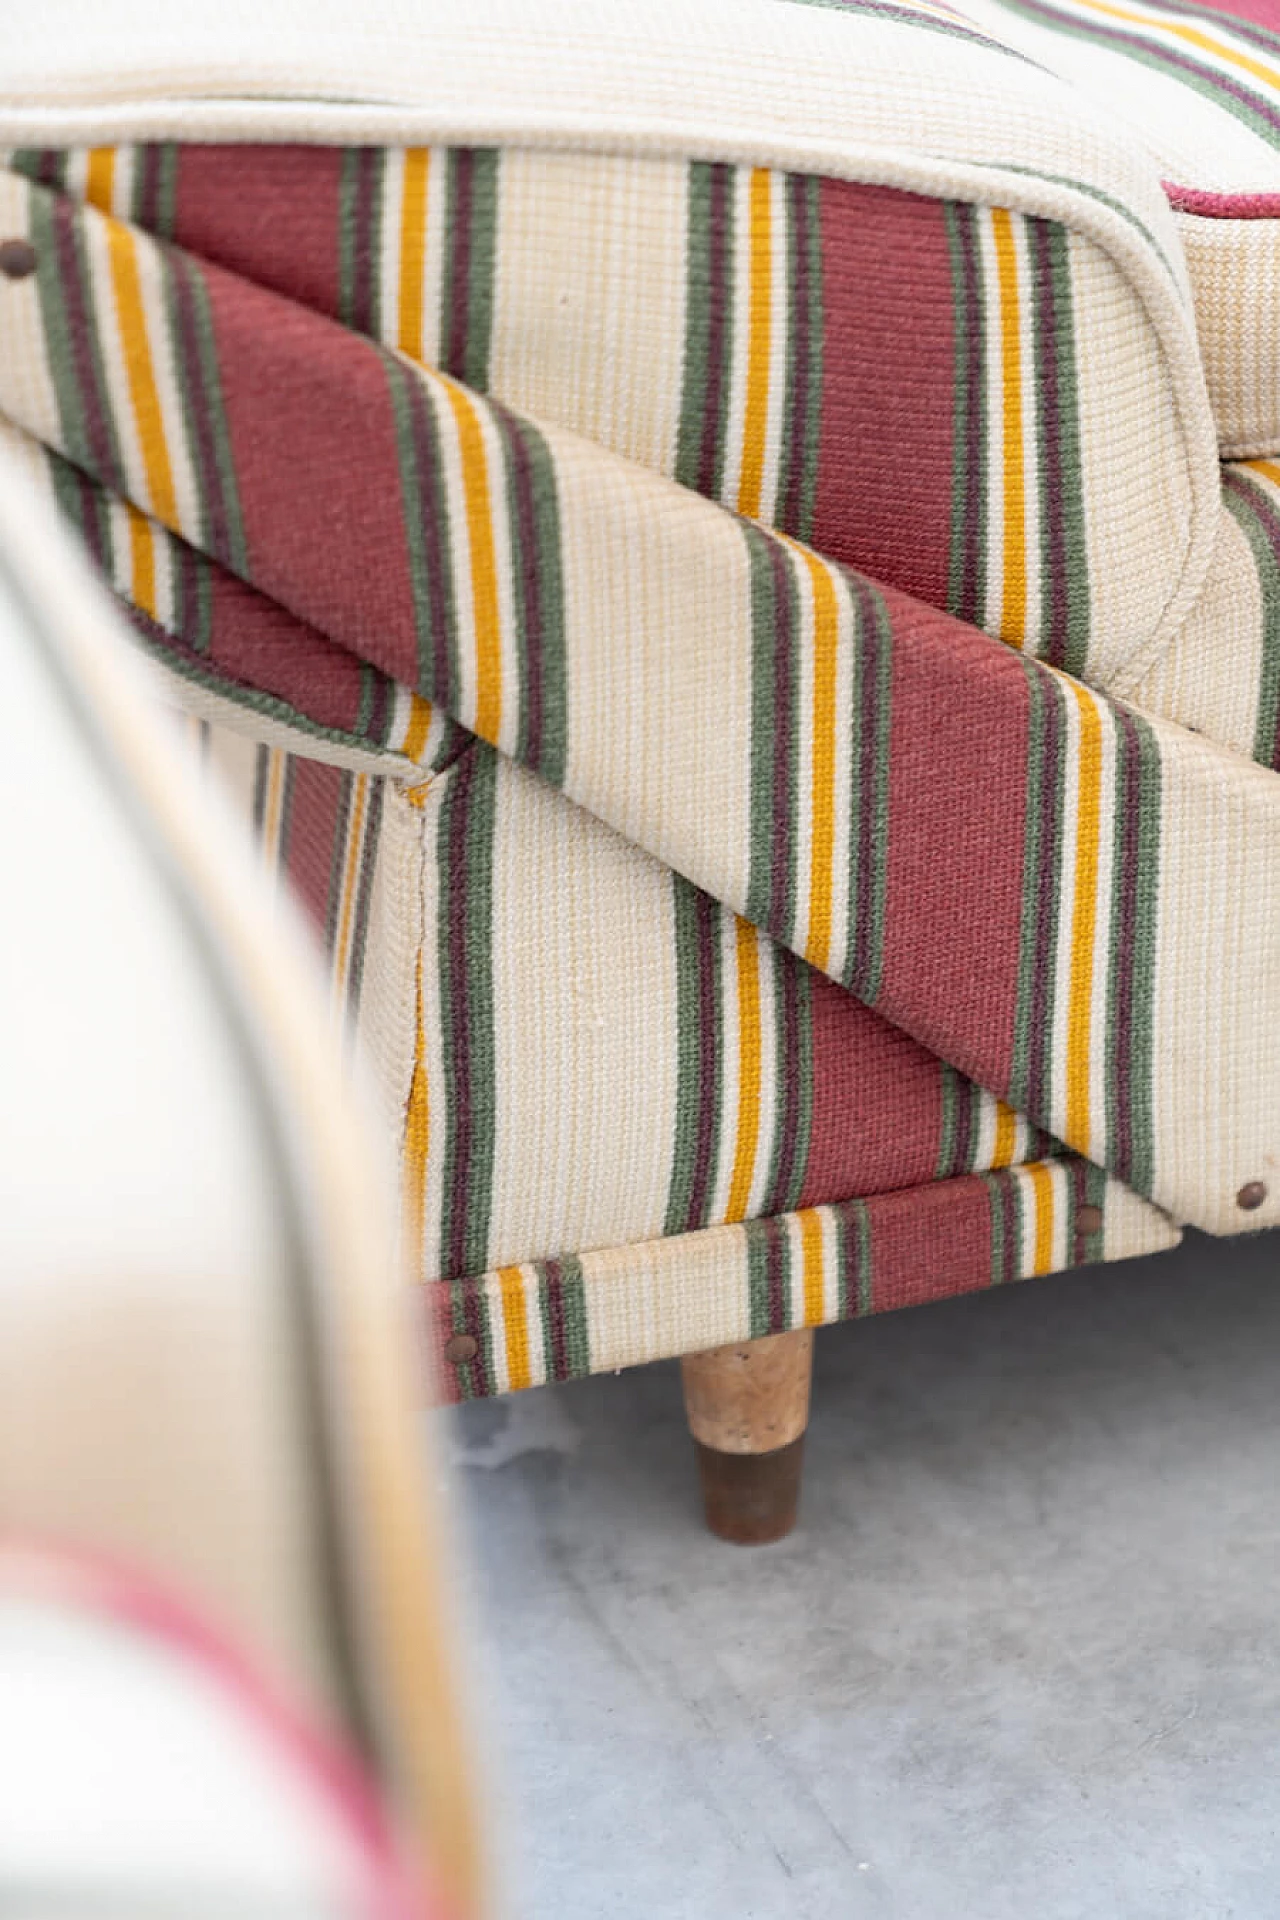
x=1021, y=1661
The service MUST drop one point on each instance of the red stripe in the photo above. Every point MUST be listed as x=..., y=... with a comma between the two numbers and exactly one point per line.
x=256, y=642
x=877, y=1102
x=883, y=499
x=1223, y=206
x=1261, y=13
x=957, y=803
x=313, y=439
x=929, y=1243
x=269, y=213
x=314, y=803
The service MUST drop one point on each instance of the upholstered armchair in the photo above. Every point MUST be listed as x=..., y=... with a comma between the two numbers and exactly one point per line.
x=732, y=555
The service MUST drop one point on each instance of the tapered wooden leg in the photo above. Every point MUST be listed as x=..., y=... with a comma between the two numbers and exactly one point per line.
x=748, y=1407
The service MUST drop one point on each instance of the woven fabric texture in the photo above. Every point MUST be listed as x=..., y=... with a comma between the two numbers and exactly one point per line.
x=746, y=332
x=681, y=672
x=580, y=1141
x=753, y=1085
x=1221, y=676
x=1200, y=87
x=559, y=1319
x=598, y=503
x=688, y=690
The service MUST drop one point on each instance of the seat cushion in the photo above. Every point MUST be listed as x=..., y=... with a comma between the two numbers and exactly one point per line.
x=1200, y=85
x=875, y=281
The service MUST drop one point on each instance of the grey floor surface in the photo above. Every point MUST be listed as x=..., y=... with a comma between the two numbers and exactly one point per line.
x=1021, y=1660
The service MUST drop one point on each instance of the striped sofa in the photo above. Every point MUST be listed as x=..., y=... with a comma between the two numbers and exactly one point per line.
x=732, y=555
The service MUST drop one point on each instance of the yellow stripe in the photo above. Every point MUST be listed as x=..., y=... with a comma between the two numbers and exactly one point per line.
x=1084, y=921
x=826, y=631
x=515, y=1329
x=122, y=253
x=100, y=178
x=417, y=1140
x=1042, y=1199
x=744, y=1159
x=415, y=734
x=484, y=572
x=413, y=248
x=811, y=1261
x=1006, y=1135
x=1194, y=37
x=350, y=879
x=1013, y=612
x=755, y=422
x=1269, y=469
x=142, y=561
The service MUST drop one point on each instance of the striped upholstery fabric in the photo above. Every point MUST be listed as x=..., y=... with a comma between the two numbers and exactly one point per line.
x=754, y=1085
x=751, y=334
x=1221, y=675
x=1100, y=833
x=583, y=485
x=664, y=1073
x=1200, y=85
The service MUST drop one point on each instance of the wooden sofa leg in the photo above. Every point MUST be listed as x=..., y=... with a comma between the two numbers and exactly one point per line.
x=748, y=1407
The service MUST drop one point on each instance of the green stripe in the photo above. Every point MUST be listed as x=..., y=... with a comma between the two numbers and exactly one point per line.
x=364, y=709
x=689, y=1087
x=802, y=408
x=160, y=164
x=424, y=502
x=1064, y=471
x=948, y=1096
x=348, y=266
x=575, y=1321
x=869, y=829
x=192, y=595
x=479, y=166
x=1042, y=853
x=59, y=343
x=697, y=312
x=84, y=504
x=465, y=838
x=863, y=1260
x=1068, y=467
x=167, y=190
x=1004, y=1223
x=793, y=979
x=360, y=239
x=35, y=163
x=1159, y=59
x=1239, y=496
x=542, y=564
x=1140, y=1172
x=761, y=1236
x=206, y=377
x=970, y=454
x=763, y=727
